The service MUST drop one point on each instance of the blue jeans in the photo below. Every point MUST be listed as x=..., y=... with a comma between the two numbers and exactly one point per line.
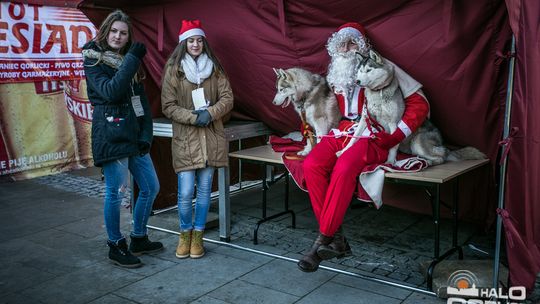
x=186, y=185
x=116, y=183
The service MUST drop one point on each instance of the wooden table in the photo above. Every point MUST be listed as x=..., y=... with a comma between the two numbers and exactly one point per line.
x=431, y=179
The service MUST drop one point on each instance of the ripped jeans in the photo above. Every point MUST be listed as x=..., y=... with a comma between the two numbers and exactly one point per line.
x=186, y=185
x=116, y=183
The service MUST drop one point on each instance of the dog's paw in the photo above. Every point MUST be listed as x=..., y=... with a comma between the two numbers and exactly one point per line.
x=303, y=152
x=391, y=160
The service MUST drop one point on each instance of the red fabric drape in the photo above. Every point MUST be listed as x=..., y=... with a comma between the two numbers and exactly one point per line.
x=522, y=222
x=448, y=46
x=451, y=47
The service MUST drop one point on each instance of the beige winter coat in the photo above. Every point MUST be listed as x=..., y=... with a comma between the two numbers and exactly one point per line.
x=195, y=147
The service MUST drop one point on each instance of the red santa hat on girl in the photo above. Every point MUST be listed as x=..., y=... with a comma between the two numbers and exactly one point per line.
x=190, y=28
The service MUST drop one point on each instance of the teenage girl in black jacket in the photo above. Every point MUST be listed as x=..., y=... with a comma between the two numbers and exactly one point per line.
x=121, y=132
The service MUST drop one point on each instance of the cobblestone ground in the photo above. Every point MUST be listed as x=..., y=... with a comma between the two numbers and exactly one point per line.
x=368, y=258
x=380, y=247
x=87, y=186
x=390, y=244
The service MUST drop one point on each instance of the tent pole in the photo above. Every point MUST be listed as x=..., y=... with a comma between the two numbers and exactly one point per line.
x=502, y=177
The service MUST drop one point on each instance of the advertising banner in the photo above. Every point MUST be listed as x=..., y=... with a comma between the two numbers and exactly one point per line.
x=41, y=43
x=45, y=115
x=43, y=128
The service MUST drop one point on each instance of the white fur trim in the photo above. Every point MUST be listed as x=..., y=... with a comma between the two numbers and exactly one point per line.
x=191, y=32
x=354, y=107
x=373, y=183
x=351, y=106
x=366, y=133
x=407, y=84
x=296, y=136
x=351, y=31
x=421, y=93
x=404, y=128
x=345, y=103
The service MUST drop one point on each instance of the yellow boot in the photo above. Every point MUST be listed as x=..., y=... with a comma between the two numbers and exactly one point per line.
x=184, y=243
x=197, y=249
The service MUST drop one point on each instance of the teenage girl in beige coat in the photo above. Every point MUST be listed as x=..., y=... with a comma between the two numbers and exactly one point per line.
x=195, y=95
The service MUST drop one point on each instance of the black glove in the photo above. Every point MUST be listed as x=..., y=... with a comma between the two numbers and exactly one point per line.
x=138, y=49
x=203, y=118
x=144, y=147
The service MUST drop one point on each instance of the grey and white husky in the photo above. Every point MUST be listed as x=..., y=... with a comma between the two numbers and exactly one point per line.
x=384, y=100
x=311, y=95
x=385, y=104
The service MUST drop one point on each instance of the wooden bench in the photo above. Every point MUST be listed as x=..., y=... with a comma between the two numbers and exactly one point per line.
x=431, y=179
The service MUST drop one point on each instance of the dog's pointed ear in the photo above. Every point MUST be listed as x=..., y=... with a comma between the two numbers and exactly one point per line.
x=375, y=57
x=283, y=73
x=359, y=55
x=277, y=72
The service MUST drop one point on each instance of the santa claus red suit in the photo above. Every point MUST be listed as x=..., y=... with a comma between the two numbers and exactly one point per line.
x=331, y=181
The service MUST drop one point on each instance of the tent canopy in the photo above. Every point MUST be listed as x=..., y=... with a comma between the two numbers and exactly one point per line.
x=456, y=49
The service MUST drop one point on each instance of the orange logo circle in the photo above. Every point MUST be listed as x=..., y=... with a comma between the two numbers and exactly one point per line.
x=463, y=279
x=462, y=284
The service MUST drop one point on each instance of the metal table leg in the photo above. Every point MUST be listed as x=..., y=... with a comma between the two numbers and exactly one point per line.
x=265, y=218
x=455, y=214
x=224, y=205
x=435, y=206
x=437, y=257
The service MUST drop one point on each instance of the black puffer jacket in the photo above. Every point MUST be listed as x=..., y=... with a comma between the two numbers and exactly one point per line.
x=116, y=131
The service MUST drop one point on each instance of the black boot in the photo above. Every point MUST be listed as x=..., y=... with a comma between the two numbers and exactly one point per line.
x=338, y=248
x=310, y=261
x=141, y=244
x=121, y=256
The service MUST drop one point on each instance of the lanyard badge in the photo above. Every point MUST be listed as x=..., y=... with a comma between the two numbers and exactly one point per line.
x=136, y=104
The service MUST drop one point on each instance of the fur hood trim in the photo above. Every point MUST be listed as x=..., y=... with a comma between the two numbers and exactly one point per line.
x=92, y=51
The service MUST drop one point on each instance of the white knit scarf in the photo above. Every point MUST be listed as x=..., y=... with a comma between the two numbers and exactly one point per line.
x=197, y=71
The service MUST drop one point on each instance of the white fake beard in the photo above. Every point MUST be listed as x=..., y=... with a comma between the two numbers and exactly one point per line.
x=341, y=72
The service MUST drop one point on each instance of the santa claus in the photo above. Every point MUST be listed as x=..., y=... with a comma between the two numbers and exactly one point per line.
x=331, y=181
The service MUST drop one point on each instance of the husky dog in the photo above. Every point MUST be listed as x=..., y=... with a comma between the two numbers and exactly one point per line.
x=385, y=104
x=312, y=98
x=384, y=100
x=427, y=143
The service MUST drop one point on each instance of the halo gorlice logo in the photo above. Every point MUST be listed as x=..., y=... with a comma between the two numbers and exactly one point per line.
x=463, y=283
x=463, y=289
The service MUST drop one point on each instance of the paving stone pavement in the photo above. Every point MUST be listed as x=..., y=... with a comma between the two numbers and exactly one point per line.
x=53, y=251
x=382, y=247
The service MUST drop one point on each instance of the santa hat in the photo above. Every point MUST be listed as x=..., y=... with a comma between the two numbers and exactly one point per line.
x=354, y=29
x=190, y=28
x=348, y=31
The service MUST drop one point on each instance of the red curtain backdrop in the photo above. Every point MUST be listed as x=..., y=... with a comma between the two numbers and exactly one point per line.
x=522, y=196
x=449, y=46
x=455, y=48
